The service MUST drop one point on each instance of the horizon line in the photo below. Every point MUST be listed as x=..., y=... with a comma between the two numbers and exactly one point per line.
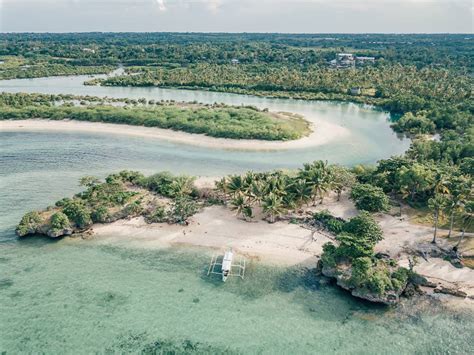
x=241, y=32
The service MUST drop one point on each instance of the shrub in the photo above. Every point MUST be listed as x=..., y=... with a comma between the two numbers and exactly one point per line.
x=181, y=186
x=328, y=258
x=121, y=197
x=89, y=181
x=158, y=215
x=134, y=208
x=352, y=246
x=379, y=282
x=414, y=124
x=166, y=184
x=29, y=222
x=329, y=222
x=400, y=278
x=369, y=198
x=100, y=214
x=364, y=226
x=63, y=202
x=59, y=222
x=159, y=183
x=335, y=225
x=181, y=209
x=134, y=177
x=361, y=270
x=78, y=213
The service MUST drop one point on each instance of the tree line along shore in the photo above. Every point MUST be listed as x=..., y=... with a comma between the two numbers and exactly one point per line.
x=218, y=120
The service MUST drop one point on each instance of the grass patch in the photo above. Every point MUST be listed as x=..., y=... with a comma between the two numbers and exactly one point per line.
x=423, y=216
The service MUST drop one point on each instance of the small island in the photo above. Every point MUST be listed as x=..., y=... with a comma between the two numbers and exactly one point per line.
x=267, y=205
x=215, y=120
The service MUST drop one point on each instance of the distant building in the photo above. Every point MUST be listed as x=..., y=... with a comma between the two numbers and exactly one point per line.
x=234, y=61
x=343, y=60
x=340, y=57
x=365, y=60
x=90, y=50
x=349, y=60
x=356, y=91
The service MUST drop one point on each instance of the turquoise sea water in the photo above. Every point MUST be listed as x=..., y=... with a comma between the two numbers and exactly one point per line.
x=74, y=296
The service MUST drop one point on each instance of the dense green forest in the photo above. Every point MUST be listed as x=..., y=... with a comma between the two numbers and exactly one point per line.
x=33, y=55
x=443, y=50
x=440, y=95
x=19, y=67
x=429, y=76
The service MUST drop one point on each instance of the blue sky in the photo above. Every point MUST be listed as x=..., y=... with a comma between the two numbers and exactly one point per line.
x=309, y=16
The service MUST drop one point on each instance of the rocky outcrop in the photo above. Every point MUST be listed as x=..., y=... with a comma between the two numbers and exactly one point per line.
x=42, y=225
x=44, y=229
x=343, y=273
x=55, y=233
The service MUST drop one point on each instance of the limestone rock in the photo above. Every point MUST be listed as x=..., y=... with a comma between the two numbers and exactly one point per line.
x=59, y=233
x=343, y=273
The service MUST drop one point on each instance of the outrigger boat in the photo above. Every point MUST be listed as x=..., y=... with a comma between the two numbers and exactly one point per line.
x=227, y=268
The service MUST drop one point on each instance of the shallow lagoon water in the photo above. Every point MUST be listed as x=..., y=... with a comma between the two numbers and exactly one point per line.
x=76, y=296
x=370, y=139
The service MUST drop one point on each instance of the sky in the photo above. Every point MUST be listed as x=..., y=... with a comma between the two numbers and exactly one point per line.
x=289, y=16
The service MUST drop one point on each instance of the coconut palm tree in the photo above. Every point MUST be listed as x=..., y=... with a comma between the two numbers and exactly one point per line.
x=222, y=187
x=181, y=186
x=467, y=221
x=318, y=177
x=248, y=181
x=235, y=185
x=256, y=191
x=240, y=205
x=273, y=206
x=460, y=193
x=436, y=204
x=300, y=192
x=342, y=178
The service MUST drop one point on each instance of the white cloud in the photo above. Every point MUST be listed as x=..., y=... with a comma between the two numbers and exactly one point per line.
x=161, y=5
x=214, y=5
x=238, y=15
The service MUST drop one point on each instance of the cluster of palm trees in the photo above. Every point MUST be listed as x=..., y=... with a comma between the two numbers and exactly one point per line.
x=453, y=197
x=278, y=192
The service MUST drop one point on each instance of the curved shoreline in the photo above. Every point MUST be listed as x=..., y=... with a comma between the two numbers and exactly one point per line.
x=323, y=133
x=216, y=228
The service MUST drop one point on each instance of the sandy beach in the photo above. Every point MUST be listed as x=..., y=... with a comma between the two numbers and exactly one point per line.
x=322, y=133
x=217, y=228
x=282, y=243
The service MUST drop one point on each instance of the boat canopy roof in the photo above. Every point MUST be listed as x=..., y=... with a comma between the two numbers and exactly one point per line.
x=227, y=261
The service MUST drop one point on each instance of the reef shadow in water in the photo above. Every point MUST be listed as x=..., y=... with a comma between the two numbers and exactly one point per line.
x=6, y=283
x=163, y=260
x=142, y=343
